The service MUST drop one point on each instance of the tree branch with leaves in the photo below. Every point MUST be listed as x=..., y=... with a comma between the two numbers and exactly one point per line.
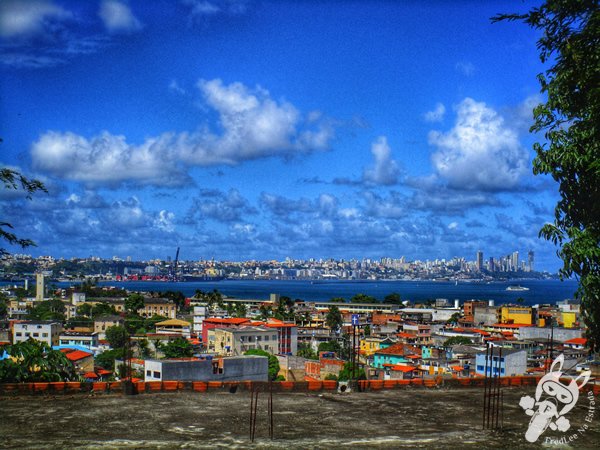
x=569, y=122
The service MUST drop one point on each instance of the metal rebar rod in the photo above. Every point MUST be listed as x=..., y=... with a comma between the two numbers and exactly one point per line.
x=485, y=383
x=255, y=415
x=499, y=386
x=490, y=388
x=271, y=427
x=251, y=409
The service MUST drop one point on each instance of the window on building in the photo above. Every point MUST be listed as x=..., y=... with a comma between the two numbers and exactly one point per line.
x=266, y=338
x=36, y=334
x=156, y=374
x=480, y=368
x=148, y=373
x=259, y=338
x=19, y=333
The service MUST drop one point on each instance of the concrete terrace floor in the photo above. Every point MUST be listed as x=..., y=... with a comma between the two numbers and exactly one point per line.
x=401, y=418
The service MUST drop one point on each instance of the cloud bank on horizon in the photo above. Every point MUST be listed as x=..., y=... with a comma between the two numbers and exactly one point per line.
x=241, y=130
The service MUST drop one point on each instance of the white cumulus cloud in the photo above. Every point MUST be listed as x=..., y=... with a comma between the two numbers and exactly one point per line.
x=436, y=114
x=117, y=17
x=251, y=126
x=385, y=170
x=480, y=152
x=22, y=18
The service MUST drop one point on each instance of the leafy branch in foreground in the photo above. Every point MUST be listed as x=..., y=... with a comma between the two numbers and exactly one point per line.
x=15, y=180
x=570, y=150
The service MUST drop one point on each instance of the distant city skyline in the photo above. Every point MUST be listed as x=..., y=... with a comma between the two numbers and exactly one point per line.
x=259, y=130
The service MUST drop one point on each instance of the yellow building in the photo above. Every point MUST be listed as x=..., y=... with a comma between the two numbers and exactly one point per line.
x=520, y=315
x=569, y=319
x=369, y=345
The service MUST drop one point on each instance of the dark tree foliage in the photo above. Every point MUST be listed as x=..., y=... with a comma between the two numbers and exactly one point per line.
x=569, y=122
x=117, y=336
x=16, y=181
x=178, y=348
x=393, y=299
x=273, y=361
x=363, y=298
x=34, y=361
x=352, y=372
x=334, y=319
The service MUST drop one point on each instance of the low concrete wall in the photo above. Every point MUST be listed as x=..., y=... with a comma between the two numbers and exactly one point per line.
x=117, y=387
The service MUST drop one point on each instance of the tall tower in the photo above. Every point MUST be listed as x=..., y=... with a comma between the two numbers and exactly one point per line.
x=39, y=287
x=530, y=256
x=479, y=261
x=515, y=261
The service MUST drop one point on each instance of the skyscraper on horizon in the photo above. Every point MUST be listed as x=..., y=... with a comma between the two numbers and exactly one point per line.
x=530, y=257
x=479, y=261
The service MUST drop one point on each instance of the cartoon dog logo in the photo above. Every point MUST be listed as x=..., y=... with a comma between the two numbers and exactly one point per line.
x=553, y=400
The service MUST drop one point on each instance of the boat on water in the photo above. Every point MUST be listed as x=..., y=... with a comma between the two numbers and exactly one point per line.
x=517, y=288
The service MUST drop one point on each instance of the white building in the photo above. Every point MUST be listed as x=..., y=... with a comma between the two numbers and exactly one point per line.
x=40, y=330
x=236, y=341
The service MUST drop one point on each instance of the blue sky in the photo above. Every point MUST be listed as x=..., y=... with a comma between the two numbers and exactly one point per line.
x=261, y=130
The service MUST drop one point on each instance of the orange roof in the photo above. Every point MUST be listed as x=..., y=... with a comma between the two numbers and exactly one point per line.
x=413, y=356
x=577, y=341
x=90, y=375
x=403, y=368
x=395, y=349
x=230, y=320
x=102, y=372
x=76, y=355
x=457, y=368
x=481, y=332
x=403, y=334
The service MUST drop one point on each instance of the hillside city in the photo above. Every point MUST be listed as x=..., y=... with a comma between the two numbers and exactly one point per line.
x=504, y=267
x=108, y=333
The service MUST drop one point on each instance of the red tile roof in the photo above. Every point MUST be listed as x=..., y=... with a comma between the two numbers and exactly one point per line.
x=403, y=368
x=227, y=321
x=577, y=341
x=76, y=355
x=90, y=375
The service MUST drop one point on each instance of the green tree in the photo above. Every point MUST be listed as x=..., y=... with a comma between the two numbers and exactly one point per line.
x=103, y=309
x=330, y=346
x=457, y=340
x=352, y=372
x=333, y=319
x=106, y=359
x=134, y=303
x=454, y=318
x=273, y=361
x=117, y=336
x=367, y=330
x=178, y=348
x=393, y=299
x=569, y=44
x=34, y=361
x=16, y=181
x=176, y=296
x=306, y=351
x=338, y=300
x=48, y=310
x=363, y=298
x=3, y=305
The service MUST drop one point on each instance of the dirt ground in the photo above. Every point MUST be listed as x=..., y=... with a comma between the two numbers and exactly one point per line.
x=401, y=418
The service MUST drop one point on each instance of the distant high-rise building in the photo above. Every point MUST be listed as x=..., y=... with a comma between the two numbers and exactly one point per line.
x=491, y=264
x=530, y=257
x=514, y=261
x=479, y=260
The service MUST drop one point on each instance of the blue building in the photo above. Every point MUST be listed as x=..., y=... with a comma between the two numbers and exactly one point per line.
x=513, y=362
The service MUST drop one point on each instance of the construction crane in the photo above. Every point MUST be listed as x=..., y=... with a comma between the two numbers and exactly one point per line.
x=174, y=268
